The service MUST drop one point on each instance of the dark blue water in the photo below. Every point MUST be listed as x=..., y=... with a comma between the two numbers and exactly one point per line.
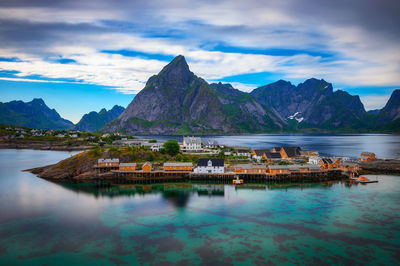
x=350, y=145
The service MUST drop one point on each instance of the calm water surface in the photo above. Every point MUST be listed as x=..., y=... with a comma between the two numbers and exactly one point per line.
x=336, y=223
x=351, y=145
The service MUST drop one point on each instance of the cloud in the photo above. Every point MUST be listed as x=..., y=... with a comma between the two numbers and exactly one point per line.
x=348, y=43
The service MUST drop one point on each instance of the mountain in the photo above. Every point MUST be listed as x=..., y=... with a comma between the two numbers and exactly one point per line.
x=176, y=101
x=34, y=114
x=391, y=111
x=313, y=104
x=93, y=121
x=245, y=111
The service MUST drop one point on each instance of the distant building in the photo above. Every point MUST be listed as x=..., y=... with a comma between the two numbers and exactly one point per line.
x=191, y=144
x=288, y=152
x=60, y=136
x=242, y=152
x=210, y=166
x=227, y=153
x=266, y=155
x=314, y=160
x=259, y=154
x=156, y=147
x=367, y=157
x=210, y=144
x=73, y=135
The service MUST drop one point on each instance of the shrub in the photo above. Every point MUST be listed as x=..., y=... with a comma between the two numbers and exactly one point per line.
x=171, y=147
x=178, y=158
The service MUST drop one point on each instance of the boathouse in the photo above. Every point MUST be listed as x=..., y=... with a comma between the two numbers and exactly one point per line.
x=127, y=166
x=146, y=167
x=176, y=166
x=214, y=166
x=107, y=162
x=250, y=168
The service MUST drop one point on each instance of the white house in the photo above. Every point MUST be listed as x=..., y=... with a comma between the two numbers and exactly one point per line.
x=241, y=152
x=213, y=166
x=211, y=144
x=156, y=147
x=191, y=144
x=227, y=153
x=314, y=159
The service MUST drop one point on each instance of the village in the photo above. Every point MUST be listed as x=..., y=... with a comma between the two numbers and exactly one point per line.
x=221, y=163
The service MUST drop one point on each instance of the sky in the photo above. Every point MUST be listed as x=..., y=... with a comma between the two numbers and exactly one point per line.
x=81, y=56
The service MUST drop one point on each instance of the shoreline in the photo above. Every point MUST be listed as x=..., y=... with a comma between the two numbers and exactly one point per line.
x=38, y=145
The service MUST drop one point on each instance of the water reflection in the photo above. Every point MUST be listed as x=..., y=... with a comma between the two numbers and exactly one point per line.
x=178, y=194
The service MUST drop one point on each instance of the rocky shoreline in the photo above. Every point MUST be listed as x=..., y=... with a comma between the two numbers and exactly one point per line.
x=388, y=166
x=79, y=168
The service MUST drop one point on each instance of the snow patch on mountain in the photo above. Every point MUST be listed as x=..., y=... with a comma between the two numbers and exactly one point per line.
x=296, y=116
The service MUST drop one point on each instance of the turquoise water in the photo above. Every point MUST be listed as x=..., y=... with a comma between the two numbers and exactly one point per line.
x=327, y=223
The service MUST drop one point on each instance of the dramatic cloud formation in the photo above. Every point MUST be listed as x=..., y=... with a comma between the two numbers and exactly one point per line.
x=248, y=43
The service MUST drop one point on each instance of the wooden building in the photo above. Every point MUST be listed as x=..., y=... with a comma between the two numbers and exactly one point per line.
x=146, y=167
x=177, y=166
x=127, y=166
x=250, y=168
x=108, y=162
x=367, y=157
x=289, y=152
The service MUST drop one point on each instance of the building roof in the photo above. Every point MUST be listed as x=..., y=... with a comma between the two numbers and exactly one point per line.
x=177, y=164
x=296, y=167
x=242, y=151
x=127, y=164
x=366, y=153
x=250, y=166
x=292, y=151
x=108, y=161
x=192, y=140
x=273, y=155
x=326, y=160
x=148, y=163
x=215, y=162
x=260, y=152
x=278, y=149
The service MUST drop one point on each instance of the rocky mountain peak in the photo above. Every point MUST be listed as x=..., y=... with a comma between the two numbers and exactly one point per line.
x=38, y=101
x=177, y=69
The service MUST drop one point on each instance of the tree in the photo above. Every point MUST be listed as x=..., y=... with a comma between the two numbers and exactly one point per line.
x=171, y=147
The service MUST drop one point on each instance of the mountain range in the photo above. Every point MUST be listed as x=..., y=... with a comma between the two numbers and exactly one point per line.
x=176, y=101
x=93, y=121
x=33, y=114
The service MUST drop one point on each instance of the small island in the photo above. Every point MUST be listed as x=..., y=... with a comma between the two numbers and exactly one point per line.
x=149, y=161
